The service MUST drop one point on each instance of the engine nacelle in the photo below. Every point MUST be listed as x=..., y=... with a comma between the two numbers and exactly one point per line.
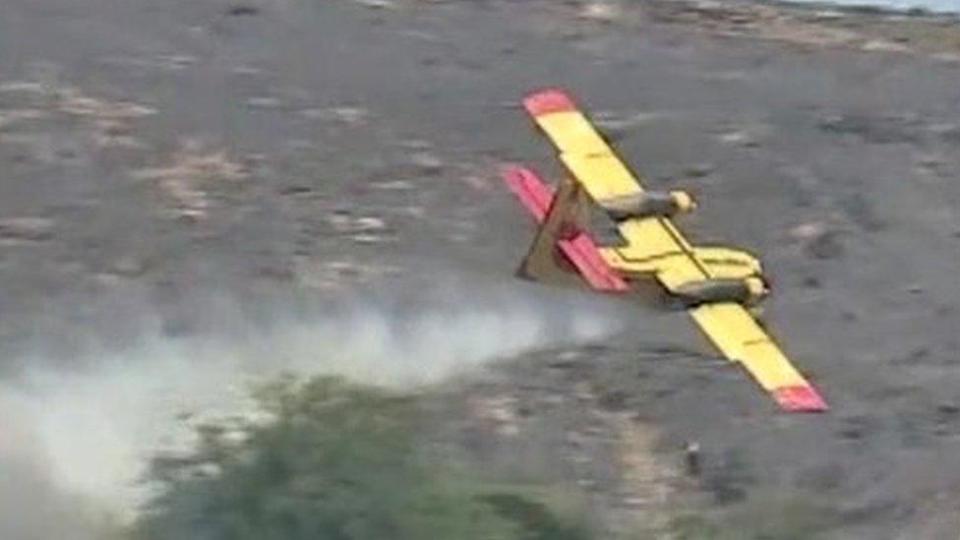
x=748, y=291
x=649, y=204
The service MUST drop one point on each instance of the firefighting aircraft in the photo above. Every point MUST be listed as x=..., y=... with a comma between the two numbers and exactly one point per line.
x=721, y=288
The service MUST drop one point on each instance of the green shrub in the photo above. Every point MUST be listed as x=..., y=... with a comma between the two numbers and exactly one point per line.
x=335, y=461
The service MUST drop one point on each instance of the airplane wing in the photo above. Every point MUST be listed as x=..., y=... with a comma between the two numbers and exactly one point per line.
x=738, y=336
x=654, y=242
x=604, y=176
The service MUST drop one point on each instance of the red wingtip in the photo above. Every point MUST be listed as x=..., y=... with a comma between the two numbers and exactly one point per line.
x=800, y=398
x=548, y=101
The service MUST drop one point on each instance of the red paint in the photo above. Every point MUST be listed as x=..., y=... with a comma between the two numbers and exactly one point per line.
x=535, y=195
x=582, y=252
x=800, y=398
x=577, y=245
x=548, y=101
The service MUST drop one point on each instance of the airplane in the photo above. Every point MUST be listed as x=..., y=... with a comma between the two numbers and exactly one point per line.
x=721, y=288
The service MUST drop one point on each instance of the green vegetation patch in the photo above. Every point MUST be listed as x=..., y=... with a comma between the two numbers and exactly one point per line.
x=334, y=460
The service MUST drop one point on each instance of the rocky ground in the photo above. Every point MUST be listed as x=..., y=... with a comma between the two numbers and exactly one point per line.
x=154, y=153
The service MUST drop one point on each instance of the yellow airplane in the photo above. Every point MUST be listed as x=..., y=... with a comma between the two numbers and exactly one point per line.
x=720, y=287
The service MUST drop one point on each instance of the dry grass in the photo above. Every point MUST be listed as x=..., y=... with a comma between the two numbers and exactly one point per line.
x=185, y=178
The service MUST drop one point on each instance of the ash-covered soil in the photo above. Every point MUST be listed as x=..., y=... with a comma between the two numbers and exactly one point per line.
x=153, y=150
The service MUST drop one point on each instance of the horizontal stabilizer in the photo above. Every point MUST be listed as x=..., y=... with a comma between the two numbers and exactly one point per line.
x=577, y=245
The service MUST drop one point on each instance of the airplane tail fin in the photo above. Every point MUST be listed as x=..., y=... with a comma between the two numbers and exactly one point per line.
x=577, y=245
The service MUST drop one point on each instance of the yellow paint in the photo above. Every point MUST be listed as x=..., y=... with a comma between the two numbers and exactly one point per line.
x=646, y=238
x=685, y=202
x=655, y=246
x=603, y=175
x=728, y=263
x=613, y=257
x=572, y=133
x=739, y=337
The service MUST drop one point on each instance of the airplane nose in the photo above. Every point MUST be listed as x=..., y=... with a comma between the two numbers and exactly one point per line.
x=767, y=282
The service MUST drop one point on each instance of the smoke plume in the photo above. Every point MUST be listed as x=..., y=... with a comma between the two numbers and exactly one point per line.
x=79, y=432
